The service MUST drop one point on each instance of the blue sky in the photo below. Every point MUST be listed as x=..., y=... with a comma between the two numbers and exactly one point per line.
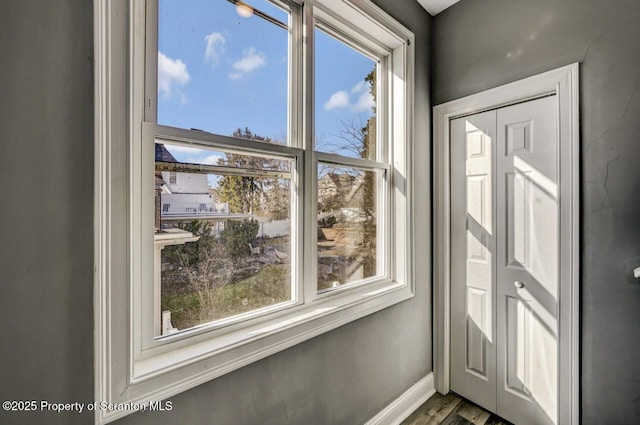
x=218, y=71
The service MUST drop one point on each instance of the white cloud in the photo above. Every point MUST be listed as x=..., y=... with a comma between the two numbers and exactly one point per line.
x=365, y=102
x=342, y=99
x=235, y=76
x=251, y=60
x=170, y=72
x=210, y=159
x=339, y=99
x=177, y=149
x=360, y=87
x=194, y=155
x=215, y=48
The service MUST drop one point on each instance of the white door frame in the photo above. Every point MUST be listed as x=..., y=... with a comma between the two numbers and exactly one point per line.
x=564, y=83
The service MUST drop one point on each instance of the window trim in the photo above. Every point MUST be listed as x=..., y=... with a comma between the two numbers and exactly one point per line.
x=122, y=374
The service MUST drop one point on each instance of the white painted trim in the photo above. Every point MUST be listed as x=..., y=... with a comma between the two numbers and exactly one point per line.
x=436, y=6
x=101, y=126
x=400, y=409
x=564, y=82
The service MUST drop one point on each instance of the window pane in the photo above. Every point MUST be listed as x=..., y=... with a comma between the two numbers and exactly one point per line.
x=347, y=225
x=224, y=67
x=345, y=97
x=223, y=227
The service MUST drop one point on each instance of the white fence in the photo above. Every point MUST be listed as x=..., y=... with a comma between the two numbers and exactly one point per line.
x=193, y=208
x=275, y=228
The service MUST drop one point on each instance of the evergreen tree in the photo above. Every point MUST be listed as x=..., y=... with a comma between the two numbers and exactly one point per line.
x=255, y=195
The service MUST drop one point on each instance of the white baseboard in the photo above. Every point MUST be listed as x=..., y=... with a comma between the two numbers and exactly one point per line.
x=400, y=408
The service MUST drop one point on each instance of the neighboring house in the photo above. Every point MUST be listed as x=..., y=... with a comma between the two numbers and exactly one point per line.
x=184, y=194
x=344, y=196
x=344, y=188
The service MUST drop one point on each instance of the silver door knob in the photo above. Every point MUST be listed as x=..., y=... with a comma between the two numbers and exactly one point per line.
x=518, y=284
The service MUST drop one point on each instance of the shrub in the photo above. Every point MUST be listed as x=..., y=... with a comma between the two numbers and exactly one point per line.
x=191, y=253
x=237, y=236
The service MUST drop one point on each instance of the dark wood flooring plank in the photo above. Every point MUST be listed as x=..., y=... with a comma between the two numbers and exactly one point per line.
x=474, y=414
x=455, y=419
x=434, y=410
x=496, y=420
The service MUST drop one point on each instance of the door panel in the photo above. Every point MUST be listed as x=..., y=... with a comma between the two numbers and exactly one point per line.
x=527, y=261
x=473, y=352
x=518, y=365
x=504, y=260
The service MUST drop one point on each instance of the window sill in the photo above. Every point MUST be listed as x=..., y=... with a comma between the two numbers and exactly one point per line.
x=270, y=336
x=166, y=374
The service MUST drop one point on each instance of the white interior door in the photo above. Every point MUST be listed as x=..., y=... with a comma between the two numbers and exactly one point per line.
x=514, y=225
x=473, y=325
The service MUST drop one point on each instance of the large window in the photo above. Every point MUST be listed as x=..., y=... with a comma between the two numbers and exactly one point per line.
x=260, y=191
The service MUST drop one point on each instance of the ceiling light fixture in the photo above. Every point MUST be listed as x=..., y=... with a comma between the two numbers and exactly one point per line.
x=244, y=9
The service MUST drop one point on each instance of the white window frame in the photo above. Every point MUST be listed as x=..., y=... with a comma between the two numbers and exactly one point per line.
x=132, y=368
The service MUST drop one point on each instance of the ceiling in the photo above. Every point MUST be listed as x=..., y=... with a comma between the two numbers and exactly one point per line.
x=436, y=6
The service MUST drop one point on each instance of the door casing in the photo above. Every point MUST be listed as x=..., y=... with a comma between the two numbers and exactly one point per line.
x=565, y=84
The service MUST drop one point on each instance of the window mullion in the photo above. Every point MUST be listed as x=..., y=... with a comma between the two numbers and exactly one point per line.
x=297, y=139
x=151, y=61
x=383, y=111
x=310, y=168
x=296, y=81
x=384, y=145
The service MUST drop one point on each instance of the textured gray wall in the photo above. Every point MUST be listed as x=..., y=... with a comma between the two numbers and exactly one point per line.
x=482, y=44
x=46, y=211
x=46, y=258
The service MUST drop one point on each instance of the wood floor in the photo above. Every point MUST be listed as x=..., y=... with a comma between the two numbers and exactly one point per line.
x=451, y=409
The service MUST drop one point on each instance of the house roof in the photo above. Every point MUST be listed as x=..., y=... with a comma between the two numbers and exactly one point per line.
x=159, y=182
x=162, y=154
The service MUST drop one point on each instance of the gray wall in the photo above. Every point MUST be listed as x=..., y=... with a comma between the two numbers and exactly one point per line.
x=46, y=258
x=482, y=44
x=46, y=211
